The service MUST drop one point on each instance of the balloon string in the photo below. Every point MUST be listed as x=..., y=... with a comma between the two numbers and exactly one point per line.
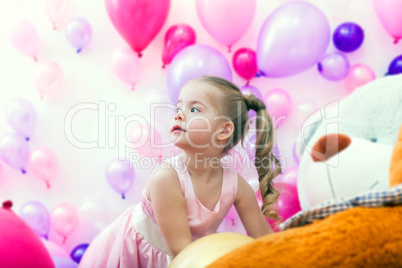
x=48, y=184
x=159, y=158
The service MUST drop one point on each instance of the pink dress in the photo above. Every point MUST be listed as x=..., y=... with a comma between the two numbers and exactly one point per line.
x=134, y=239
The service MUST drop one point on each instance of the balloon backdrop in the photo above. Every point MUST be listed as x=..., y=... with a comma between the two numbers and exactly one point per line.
x=36, y=215
x=78, y=33
x=288, y=202
x=56, y=10
x=177, y=37
x=293, y=38
x=279, y=105
x=389, y=13
x=126, y=66
x=192, y=62
x=147, y=140
x=25, y=39
x=138, y=21
x=245, y=63
x=359, y=75
x=64, y=219
x=47, y=78
x=348, y=37
x=120, y=176
x=21, y=116
x=43, y=164
x=14, y=151
x=334, y=66
x=226, y=20
x=395, y=67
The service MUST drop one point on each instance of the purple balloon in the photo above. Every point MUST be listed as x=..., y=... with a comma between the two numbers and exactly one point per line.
x=78, y=252
x=348, y=37
x=36, y=215
x=21, y=116
x=14, y=150
x=334, y=66
x=293, y=38
x=395, y=67
x=192, y=62
x=248, y=90
x=120, y=176
x=78, y=33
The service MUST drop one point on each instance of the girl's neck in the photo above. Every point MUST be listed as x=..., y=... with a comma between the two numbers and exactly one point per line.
x=200, y=164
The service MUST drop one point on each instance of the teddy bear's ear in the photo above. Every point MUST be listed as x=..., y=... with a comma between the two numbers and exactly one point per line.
x=328, y=146
x=395, y=169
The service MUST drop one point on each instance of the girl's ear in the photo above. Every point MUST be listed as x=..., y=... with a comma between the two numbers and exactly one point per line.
x=226, y=131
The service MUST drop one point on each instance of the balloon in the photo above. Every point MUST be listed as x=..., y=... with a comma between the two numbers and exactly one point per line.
x=192, y=62
x=152, y=138
x=389, y=13
x=95, y=213
x=138, y=21
x=279, y=105
x=120, y=176
x=162, y=108
x=64, y=219
x=47, y=78
x=395, y=67
x=25, y=39
x=359, y=74
x=226, y=20
x=56, y=10
x=78, y=33
x=289, y=175
x=64, y=262
x=21, y=116
x=54, y=249
x=288, y=202
x=14, y=151
x=43, y=163
x=78, y=252
x=177, y=37
x=36, y=215
x=250, y=90
x=348, y=37
x=126, y=66
x=20, y=246
x=245, y=63
x=205, y=250
x=334, y=66
x=293, y=38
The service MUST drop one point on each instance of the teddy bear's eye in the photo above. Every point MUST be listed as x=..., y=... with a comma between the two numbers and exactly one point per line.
x=373, y=139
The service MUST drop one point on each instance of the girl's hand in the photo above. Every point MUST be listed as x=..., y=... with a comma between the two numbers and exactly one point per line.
x=250, y=214
x=169, y=206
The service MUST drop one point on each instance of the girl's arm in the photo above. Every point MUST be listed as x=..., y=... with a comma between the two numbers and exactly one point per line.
x=169, y=207
x=250, y=214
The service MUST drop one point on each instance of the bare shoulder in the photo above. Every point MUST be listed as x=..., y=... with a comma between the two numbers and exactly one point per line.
x=243, y=188
x=164, y=176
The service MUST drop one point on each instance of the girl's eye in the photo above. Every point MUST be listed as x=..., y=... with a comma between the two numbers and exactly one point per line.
x=192, y=109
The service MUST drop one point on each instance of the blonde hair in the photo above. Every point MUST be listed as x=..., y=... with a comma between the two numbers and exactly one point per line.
x=236, y=106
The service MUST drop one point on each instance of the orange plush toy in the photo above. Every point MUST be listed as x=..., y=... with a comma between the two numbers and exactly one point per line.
x=366, y=232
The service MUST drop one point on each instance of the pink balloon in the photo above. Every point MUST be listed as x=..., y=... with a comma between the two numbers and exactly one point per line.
x=245, y=63
x=177, y=37
x=389, y=13
x=292, y=39
x=279, y=105
x=359, y=75
x=21, y=116
x=14, y=151
x=138, y=21
x=47, y=78
x=289, y=175
x=56, y=10
x=78, y=33
x=64, y=219
x=147, y=140
x=288, y=202
x=226, y=20
x=126, y=66
x=25, y=39
x=43, y=164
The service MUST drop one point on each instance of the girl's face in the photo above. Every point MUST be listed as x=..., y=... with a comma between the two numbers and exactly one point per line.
x=196, y=121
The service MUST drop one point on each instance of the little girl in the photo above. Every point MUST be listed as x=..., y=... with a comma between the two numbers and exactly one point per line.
x=189, y=195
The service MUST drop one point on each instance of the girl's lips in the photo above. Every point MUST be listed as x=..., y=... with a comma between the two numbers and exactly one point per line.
x=177, y=128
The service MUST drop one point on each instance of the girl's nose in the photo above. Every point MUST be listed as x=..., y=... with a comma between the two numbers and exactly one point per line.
x=178, y=116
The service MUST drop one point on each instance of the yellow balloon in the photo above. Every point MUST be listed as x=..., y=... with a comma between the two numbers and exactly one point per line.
x=207, y=249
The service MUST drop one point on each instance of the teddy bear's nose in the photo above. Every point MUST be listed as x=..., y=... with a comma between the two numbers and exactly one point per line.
x=328, y=146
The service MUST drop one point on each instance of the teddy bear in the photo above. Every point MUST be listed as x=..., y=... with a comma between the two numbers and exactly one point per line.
x=371, y=115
